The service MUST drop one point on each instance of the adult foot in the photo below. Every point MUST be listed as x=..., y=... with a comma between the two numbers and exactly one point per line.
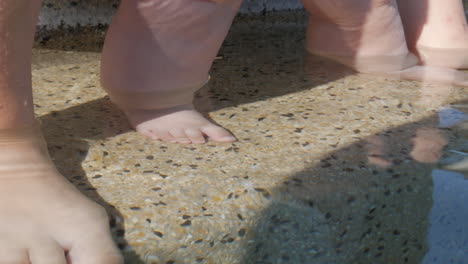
x=44, y=218
x=437, y=31
x=368, y=36
x=181, y=124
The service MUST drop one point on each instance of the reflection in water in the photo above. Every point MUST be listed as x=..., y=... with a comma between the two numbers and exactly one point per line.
x=456, y=158
x=449, y=116
x=345, y=211
x=448, y=233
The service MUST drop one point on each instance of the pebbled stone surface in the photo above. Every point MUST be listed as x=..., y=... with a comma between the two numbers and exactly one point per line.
x=325, y=169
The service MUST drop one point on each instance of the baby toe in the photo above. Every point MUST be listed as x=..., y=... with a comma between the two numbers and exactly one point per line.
x=180, y=136
x=148, y=133
x=195, y=136
x=218, y=134
x=165, y=136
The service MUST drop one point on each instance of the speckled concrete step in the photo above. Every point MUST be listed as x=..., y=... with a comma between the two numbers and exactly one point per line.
x=325, y=169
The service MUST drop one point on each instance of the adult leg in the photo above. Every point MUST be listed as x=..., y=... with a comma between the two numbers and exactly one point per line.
x=42, y=216
x=17, y=26
x=156, y=54
x=368, y=35
x=437, y=31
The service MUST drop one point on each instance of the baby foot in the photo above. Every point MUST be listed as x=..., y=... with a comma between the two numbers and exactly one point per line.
x=368, y=36
x=180, y=124
x=437, y=31
x=177, y=43
x=43, y=217
x=449, y=57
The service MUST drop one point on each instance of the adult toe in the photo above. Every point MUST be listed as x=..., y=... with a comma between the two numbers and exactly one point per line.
x=95, y=249
x=12, y=252
x=46, y=251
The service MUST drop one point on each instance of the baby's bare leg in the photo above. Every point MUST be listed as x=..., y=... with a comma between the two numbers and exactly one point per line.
x=437, y=31
x=157, y=53
x=368, y=35
x=42, y=216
